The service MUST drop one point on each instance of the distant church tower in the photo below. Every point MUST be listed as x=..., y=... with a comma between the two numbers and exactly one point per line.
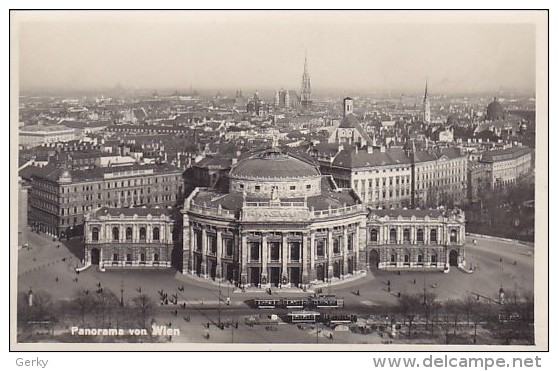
x=426, y=105
x=306, y=90
x=347, y=106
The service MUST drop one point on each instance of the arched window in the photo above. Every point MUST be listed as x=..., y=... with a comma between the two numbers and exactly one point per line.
x=143, y=233
x=156, y=257
x=453, y=235
x=155, y=234
x=406, y=235
x=420, y=235
x=374, y=235
x=392, y=235
x=393, y=258
x=129, y=234
x=95, y=234
x=433, y=235
x=115, y=234
x=142, y=257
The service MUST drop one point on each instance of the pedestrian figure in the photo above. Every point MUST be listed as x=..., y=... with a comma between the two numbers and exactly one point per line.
x=415, y=281
x=399, y=273
x=58, y=246
x=389, y=289
x=56, y=279
x=358, y=293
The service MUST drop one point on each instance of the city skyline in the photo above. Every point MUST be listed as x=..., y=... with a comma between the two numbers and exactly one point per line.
x=374, y=53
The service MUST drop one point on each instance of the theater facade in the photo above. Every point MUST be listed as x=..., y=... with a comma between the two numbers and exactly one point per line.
x=284, y=224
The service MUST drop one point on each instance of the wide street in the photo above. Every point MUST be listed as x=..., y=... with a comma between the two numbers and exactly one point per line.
x=50, y=266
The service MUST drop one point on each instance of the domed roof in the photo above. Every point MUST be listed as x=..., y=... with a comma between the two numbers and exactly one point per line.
x=494, y=111
x=273, y=164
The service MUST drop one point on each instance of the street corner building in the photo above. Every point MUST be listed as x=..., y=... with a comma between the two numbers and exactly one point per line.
x=402, y=239
x=130, y=237
x=284, y=224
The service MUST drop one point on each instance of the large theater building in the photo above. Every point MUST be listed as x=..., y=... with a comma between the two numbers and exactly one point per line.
x=281, y=224
x=284, y=224
x=409, y=239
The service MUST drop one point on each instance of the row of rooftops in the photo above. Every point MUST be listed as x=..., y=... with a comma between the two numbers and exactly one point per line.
x=505, y=154
x=348, y=156
x=54, y=173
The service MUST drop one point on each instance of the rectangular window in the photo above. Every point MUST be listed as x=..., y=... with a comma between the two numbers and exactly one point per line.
x=295, y=251
x=320, y=247
x=254, y=251
x=292, y=188
x=257, y=188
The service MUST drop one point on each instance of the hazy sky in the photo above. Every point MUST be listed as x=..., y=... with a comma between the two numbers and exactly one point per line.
x=348, y=51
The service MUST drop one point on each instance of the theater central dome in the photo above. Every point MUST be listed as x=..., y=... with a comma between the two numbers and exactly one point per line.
x=275, y=173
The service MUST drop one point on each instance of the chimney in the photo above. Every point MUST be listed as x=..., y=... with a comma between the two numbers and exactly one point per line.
x=383, y=149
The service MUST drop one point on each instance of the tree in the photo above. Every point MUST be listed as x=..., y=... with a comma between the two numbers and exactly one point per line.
x=145, y=306
x=105, y=304
x=452, y=312
x=83, y=302
x=410, y=306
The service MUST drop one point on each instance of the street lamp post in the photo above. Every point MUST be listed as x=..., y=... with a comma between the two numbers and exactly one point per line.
x=219, y=299
x=121, y=293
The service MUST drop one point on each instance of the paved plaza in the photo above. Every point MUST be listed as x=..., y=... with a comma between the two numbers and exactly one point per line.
x=50, y=266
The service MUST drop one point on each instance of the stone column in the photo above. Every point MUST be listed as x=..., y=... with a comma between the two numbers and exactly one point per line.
x=284, y=258
x=345, y=252
x=312, y=252
x=329, y=254
x=426, y=230
x=264, y=280
x=304, y=250
x=360, y=249
x=219, y=241
x=191, y=263
x=204, y=253
x=243, y=259
x=399, y=237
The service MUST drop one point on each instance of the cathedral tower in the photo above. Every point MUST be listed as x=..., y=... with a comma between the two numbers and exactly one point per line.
x=426, y=105
x=306, y=90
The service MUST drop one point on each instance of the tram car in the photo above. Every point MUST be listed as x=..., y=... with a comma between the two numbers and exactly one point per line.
x=267, y=303
x=303, y=316
x=326, y=301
